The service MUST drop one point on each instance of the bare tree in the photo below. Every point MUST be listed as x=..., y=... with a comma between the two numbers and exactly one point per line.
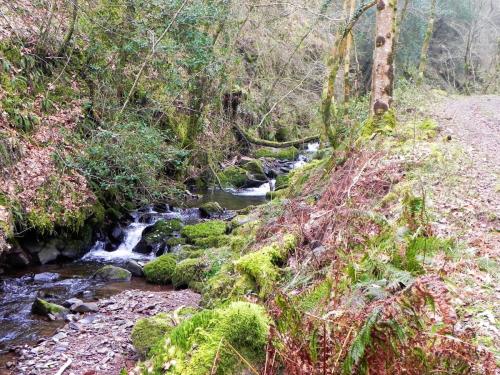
x=427, y=40
x=383, y=58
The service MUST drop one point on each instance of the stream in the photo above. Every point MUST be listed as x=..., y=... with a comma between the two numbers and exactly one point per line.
x=59, y=282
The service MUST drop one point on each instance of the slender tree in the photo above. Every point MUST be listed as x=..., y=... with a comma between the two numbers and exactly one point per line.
x=427, y=41
x=328, y=107
x=347, y=60
x=383, y=58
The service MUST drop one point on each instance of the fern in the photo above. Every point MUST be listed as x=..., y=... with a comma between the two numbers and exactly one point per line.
x=357, y=350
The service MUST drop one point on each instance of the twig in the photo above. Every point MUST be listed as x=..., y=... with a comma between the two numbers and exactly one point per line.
x=64, y=367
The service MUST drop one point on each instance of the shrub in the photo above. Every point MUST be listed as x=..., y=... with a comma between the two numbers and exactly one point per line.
x=160, y=270
x=147, y=332
x=188, y=271
x=205, y=229
x=126, y=161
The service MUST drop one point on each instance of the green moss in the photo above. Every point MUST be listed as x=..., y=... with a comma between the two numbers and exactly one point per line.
x=42, y=307
x=147, y=332
x=212, y=241
x=219, y=337
x=162, y=229
x=205, y=229
x=290, y=153
x=187, y=271
x=256, y=168
x=174, y=241
x=262, y=264
x=160, y=270
x=189, y=252
x=211, y=208
x=384, y=124
x=272, y=195
x=233, y=177
x=282, y=182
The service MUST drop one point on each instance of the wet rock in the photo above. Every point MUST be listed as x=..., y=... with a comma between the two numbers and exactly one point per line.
x=49, y=253
x=256, y=169
x=87, y=294
x=211, y=209
x=154, y=237
x=51, y=310
x=112, y=273
x=117, y=234
x=72, y=301
x=84, y=307
x=46, y=277
x=134, y=267
x=253, y=181
x=17, y=257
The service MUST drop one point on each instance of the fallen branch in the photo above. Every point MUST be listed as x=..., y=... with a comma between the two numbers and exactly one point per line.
x=64, y=367
x=264, y=142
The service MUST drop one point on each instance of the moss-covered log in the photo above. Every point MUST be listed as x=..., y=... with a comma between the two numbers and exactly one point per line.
x=264, y=142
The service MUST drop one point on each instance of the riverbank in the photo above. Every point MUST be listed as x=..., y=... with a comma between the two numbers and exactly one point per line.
x=98, y=343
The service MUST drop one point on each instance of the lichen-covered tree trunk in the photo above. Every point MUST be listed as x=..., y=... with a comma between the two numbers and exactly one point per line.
x=383, y=58
x=347, y=60
x=427, y=41
x=328, y=108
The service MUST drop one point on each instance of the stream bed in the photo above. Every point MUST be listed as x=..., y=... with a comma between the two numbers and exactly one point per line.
x=59, y=282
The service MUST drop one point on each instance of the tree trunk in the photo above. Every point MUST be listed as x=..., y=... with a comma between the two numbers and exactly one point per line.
x=399, y=22
x=347, y=60
x=71, y=29
x=328, y=107
x=383, y=58
x=427, y=41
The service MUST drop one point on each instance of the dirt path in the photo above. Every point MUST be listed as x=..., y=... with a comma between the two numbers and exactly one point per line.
x=467, y=200
x=98, y=343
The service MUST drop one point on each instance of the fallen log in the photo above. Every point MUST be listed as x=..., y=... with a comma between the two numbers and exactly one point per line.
x=264, y=142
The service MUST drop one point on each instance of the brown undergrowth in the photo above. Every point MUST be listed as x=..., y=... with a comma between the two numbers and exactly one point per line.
x=392, y=319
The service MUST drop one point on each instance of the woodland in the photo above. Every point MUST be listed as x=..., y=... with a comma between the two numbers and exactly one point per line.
x=249, y=187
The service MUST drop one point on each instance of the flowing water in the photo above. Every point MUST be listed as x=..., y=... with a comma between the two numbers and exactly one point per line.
x=19, y=288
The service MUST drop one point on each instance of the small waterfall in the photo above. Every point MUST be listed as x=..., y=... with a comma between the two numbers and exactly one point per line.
x=124, y=252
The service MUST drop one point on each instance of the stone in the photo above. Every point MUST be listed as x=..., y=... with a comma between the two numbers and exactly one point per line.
x=48, y=254
x=46, y=277
x=210, y=209
x=117, y=234
x=112, y=273
x=72, y=301
x=44, y=308
x=256, y=169
x=84, y=307
x=134, y=267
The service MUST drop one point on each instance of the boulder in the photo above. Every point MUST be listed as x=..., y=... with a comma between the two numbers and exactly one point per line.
x=160, y=270
x=72, y=301
x=117, y=234
x=134, y=267
x=256, y=169
x=48, y=254
x=211, y=209
x=112, y=273
x=46, y=277
x=154, y=237
x=84, y=307
x=17, y=257
x=233, y=177
x=51, y=310
x=147, y=332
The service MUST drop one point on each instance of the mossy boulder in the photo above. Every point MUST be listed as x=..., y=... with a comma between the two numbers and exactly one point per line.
x=147, y=332
x=195, y=344
x=233, y=177
x=157, y=235
x=44, y=308
x=211, y=209
x=188, y=271
x=160, y=270
x=290, y=153
x=227, y=285
x=175, y=241
x=112, y=273
x=189, y=251
x=256, y=169
x=262, y=266
x=282, y=182
x=204, y=229
x=212, y=241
